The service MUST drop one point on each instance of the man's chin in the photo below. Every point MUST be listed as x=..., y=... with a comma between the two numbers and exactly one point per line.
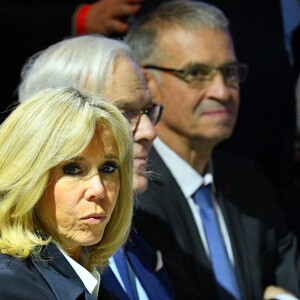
x=140, y=183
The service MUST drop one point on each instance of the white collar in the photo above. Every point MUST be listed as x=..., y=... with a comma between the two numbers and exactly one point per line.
x=91, y=280
x=188, y=179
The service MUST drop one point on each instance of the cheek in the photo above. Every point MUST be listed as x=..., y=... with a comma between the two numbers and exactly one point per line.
x=236, y=99
x=235, y=102
x=111, y=184
x=59, y=202
x=46, y=211
x=67, y=194
x=179, y=108
x=113, y=190
x=234, y=94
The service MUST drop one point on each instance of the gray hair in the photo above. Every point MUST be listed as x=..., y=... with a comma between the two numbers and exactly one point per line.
x=144, y=35
x=79, y=62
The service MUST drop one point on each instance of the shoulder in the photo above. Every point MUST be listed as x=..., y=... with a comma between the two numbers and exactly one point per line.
x=19, y=279
x=234, y=162
x=136, y=243
x=243, y=182
x=235, y=168
x=12, y=266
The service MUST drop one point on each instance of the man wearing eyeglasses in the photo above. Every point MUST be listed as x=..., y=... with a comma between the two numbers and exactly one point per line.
x=214, y=216
x=106, y=67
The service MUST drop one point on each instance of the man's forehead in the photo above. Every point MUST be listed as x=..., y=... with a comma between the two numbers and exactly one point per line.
x=126, y=74
x=132, y=101
x=204, y=46
x=127, y=86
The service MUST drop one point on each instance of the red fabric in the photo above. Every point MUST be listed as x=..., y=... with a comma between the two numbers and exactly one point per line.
x=80, y=19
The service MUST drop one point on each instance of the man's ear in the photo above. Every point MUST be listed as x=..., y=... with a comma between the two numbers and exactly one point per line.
x=152, y=84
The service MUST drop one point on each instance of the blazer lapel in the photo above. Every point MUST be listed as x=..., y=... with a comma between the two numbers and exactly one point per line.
x=60, y=276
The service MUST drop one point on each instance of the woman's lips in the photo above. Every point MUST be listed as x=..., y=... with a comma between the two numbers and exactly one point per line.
x=94, y=218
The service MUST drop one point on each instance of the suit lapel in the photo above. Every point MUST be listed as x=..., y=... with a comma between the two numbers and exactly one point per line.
x=111, y=283
x=175, y=202
x=143, y=260
x=229, y=199
x=60, y=276
x=187, y=233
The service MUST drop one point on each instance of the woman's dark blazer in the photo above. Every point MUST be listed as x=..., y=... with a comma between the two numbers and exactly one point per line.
x=51, y=277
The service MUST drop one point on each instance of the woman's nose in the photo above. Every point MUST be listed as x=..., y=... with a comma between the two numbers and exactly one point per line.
x=95, y=188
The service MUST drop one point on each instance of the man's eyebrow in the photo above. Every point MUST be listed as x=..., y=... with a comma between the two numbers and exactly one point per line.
x=133, y=105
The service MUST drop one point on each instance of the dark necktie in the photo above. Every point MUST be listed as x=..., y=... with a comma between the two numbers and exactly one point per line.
x=123, y=268
x=223, y=270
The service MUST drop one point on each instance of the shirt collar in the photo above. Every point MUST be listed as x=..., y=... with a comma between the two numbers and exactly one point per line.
x=91, y=280
x=188, y=179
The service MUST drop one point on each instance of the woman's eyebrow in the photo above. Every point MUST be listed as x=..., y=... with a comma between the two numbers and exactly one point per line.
x=76, y=158
x=81, y=158
x=112, y=156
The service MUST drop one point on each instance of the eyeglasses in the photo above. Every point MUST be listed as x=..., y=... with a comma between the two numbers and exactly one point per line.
x=200, y=75
x=153, y=113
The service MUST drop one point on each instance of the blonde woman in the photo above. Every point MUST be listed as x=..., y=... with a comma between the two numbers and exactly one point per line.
x=65, y=194
x=106, y=67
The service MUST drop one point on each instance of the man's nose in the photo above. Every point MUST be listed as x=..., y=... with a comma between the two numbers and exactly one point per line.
x=218, y=87
x=145, y=129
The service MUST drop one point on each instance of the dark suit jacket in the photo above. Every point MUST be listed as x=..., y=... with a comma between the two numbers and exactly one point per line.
x=50, y=278
x=143, y=260
x=263, y=250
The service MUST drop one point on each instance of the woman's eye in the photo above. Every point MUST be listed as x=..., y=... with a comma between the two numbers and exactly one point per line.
x=71, y=169
x=109, y=167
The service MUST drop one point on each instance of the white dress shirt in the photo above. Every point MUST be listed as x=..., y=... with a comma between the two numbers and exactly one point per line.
x=189, y=180
x=91, y=280
x=285, y=297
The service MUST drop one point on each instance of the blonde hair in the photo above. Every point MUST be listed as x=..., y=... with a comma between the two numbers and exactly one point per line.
x=53, y=126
